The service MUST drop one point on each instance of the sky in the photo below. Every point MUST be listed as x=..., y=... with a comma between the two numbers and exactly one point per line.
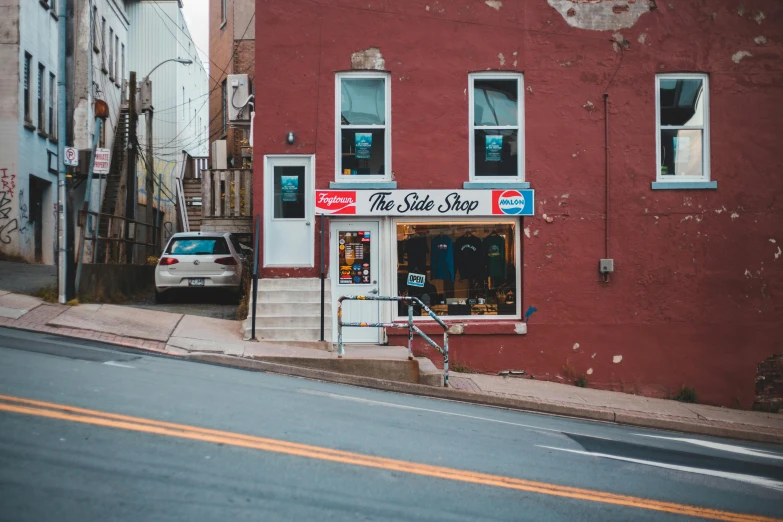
x=196, y=13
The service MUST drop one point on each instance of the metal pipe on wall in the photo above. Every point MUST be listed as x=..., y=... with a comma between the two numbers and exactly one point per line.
x=62, y=235
x=606, y=180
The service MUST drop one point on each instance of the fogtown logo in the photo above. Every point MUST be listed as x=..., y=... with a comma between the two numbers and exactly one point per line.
x=335, y=202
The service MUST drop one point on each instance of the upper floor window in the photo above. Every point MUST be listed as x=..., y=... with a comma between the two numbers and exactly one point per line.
x=111, y=53
x=363, y=126
x=682, y=127
x=497, y=138
x=41, y=107
x=103, y=45
x=28, y=117
x=52, y=105
x=94, y=29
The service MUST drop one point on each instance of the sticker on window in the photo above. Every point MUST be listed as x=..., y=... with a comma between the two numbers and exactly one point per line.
x=416, y=280
x=363, y=145
x=354, y=248
x=494, y=146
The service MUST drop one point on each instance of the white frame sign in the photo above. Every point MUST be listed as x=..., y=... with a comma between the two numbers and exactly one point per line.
x=102, y=161
x=418, y=203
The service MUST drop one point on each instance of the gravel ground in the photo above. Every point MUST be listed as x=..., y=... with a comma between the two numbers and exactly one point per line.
x=205, y=303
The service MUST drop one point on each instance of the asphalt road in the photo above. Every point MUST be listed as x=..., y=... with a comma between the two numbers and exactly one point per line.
x=282, y=448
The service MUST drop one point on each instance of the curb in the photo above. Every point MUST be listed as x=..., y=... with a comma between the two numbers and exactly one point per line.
x=622, y=417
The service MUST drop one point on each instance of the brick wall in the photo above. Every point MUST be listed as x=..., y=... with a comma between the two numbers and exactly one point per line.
x=769, y=384
x=227, y=56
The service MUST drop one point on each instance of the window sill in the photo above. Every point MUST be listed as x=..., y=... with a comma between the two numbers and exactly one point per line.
x=53, y=139
x=684, y=185
x=96, y=49
x=44, y=4
x=104, y=70
x=29, y=126
x=495, y=185
x=42, y=134
x=369, y=185
x=54, y=15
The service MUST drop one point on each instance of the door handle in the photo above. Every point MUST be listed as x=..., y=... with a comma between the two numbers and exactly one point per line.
x=373, y=291
x=307, y=223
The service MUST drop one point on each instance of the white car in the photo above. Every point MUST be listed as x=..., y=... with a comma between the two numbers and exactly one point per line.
x=199, y=260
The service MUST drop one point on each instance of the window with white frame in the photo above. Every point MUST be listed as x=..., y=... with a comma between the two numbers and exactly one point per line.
x=28, y=117
x=682, y=127
x=363, y=126
x=103, y=45
x=111, y=53
x=497, y=137
x=52, y=106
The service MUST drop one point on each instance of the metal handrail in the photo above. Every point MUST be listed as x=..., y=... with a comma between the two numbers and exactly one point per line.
x=410, y=326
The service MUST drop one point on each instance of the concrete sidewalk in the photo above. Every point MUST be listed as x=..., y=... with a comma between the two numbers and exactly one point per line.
x=382, y=367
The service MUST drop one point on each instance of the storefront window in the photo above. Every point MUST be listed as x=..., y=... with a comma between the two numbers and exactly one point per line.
x=458, y=268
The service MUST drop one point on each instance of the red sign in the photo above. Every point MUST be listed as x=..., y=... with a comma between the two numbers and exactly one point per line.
x=339, y=202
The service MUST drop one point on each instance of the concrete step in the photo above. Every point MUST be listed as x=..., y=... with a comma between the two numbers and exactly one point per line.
x=288, y=334
x=292, y=296
x=292, y=321
x=310, y=283
x=267, y=309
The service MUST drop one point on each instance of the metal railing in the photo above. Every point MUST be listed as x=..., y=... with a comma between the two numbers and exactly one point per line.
x=412, y=301
x=122, y=234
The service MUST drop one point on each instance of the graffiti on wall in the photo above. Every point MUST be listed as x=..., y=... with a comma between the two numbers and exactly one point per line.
x=7, y=182
x=6, y=225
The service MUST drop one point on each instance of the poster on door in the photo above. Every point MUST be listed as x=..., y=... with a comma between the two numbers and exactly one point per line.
x=289, y=187
x=354, y=249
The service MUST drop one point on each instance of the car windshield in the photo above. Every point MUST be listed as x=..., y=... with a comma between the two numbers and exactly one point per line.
x=198, y=246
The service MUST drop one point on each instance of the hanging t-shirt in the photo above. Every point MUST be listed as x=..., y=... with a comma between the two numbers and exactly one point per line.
x=416, y=248
x=469, y=256
x=495, y=255
x=442, y=258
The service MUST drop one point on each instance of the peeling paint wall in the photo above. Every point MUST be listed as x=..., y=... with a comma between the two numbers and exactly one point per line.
x=697, y=294
x=602, y=15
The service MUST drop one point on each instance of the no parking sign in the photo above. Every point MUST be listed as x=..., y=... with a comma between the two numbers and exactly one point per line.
x=71, y=157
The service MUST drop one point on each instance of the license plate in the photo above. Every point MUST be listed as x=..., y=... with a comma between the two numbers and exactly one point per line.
x=196, y=282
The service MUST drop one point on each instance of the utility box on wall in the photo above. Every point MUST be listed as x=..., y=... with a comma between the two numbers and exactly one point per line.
x=238, y=94
x=218, y=154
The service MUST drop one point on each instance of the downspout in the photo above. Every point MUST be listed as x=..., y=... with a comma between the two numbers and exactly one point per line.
x=606, y=180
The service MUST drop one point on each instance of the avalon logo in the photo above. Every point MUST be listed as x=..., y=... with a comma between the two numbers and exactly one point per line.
x=511, y=202
x=196, y=262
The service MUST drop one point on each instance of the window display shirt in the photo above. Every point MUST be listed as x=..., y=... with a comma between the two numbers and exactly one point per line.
x=416, y=248
x=495, y=255
x=469, y=257
x=442, y=258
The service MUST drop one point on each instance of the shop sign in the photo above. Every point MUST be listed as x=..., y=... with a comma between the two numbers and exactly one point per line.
x=511, y=202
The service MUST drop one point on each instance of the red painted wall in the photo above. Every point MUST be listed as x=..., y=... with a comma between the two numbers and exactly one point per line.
x=697, y=294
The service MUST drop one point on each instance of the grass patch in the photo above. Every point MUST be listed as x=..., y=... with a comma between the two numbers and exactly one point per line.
x=48, y=294
x=686, y=394
x=581, y=381
x=245, y=289
x=460, y=368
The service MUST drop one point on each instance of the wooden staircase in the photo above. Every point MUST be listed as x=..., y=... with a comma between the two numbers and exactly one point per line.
x=193, y=200
x=114, y=177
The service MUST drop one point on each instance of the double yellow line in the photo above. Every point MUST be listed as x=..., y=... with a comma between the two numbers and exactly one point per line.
x=112, y=420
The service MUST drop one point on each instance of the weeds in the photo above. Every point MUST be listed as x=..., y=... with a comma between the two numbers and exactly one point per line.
x=460, y=368
x=581, y=381
x=49, y=294
x=686, y=394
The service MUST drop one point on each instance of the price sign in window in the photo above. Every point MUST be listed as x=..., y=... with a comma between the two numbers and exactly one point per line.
x=354, y=257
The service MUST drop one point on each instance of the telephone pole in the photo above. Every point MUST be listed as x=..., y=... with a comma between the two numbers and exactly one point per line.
x=62, y=233
x=150, y=178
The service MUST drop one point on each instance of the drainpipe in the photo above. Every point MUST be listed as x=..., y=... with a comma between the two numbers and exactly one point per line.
x=606, y=180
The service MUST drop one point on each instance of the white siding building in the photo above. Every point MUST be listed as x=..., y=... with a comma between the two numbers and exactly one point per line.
x=180, y=101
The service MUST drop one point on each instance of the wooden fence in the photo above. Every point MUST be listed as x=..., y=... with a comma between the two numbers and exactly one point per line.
x=227, y=193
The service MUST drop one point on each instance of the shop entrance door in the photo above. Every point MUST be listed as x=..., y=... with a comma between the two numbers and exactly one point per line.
x=289, y=205
x=355, y=270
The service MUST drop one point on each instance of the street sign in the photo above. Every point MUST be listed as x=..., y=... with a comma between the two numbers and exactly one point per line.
x=71, y=157
x=102, y=161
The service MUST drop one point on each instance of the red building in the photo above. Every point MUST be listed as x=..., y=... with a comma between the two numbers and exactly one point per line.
x=648, y=133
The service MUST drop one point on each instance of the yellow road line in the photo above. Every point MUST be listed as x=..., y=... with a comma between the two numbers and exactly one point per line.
x=125, y=422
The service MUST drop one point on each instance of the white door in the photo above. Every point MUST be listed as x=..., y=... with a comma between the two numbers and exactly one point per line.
x=289, y=205
x=356, y=269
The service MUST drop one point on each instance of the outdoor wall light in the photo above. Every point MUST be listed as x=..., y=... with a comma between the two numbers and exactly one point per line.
x=290, y=138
